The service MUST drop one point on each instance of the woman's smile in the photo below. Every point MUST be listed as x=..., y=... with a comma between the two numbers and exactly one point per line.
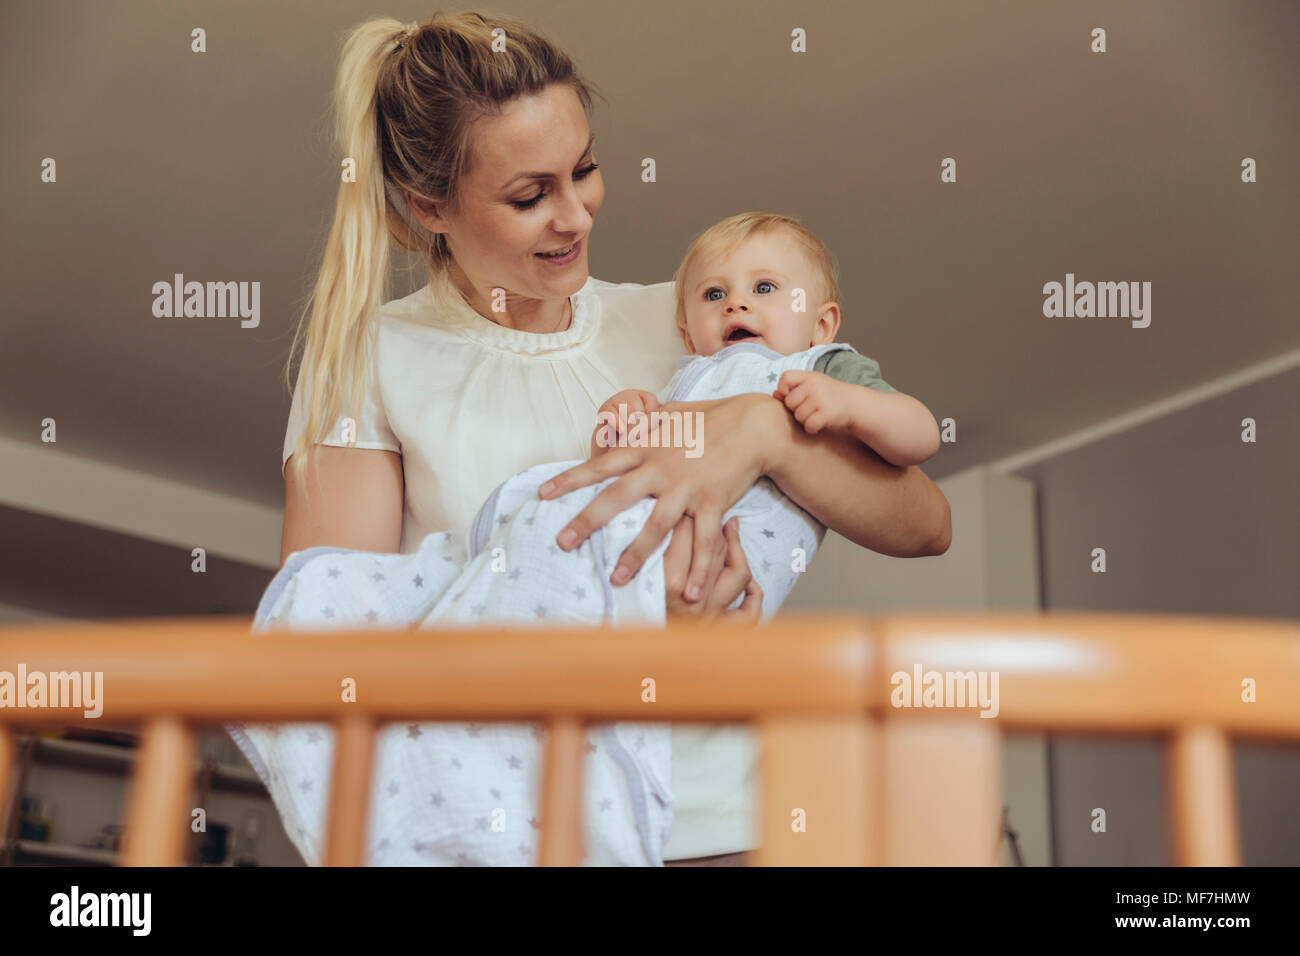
x=561, y=257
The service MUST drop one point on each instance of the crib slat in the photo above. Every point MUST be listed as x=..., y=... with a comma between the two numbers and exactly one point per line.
x=158, y=812
x=1203, y=798
x=943, y=786
x=561, y=803
x=818, y=793
x=8, y=775
x=354, y=750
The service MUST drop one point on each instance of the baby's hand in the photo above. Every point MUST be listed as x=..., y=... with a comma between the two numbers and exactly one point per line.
x=816, y=400
x=612, y=422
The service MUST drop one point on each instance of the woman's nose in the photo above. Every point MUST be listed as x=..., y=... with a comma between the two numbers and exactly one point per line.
x=572, y=216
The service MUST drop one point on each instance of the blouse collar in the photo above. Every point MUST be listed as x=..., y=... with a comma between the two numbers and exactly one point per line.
x=452, y=311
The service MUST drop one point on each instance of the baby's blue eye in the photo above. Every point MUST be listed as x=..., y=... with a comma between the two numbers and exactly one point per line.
x=763, y=282
x=709, y=295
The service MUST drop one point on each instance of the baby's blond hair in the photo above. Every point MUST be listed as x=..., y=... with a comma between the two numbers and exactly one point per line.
x=727, y=235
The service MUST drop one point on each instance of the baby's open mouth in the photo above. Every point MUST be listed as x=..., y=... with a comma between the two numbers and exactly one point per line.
x=738, y=333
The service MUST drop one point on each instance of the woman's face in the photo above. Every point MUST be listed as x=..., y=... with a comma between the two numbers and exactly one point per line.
x=531, y=189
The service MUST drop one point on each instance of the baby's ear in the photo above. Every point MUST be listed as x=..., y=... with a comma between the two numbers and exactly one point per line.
x=828, y=323
x=686, y=339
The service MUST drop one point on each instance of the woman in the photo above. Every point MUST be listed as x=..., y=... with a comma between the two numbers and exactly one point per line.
x=466, y=140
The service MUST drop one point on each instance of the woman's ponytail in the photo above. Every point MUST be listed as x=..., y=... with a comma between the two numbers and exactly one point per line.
x=353, y=279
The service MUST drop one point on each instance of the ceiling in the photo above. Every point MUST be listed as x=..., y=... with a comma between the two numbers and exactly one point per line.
x=1122, y=166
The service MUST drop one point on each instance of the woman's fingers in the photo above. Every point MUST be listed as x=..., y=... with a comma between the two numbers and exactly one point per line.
x=707, y=557
x=615, y=462
x=750, y=608
x=677, y=559
x=735, y=574
x=617, y=496
x=667, y=512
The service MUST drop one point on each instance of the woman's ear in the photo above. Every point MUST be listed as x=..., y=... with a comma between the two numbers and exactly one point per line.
x=426, y=213
x=828, y=323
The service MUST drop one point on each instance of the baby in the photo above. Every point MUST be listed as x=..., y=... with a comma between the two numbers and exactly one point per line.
x=759, y=281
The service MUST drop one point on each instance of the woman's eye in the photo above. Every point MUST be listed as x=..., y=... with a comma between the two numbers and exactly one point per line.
x=709, y=295
x=764, y=282
x=530, y=203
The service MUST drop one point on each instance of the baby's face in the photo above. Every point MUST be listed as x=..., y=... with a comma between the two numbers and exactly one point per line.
x=746, y=297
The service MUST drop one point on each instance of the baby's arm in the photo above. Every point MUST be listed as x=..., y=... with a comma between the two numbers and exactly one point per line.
x=895, y=426
x=612, y=420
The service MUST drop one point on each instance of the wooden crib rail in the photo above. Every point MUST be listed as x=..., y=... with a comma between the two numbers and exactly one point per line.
x=875, y=783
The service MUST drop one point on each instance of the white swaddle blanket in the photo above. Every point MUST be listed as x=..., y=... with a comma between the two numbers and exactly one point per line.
x=447, y=794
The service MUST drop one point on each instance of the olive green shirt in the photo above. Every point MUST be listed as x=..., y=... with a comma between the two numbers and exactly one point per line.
x=853, y=367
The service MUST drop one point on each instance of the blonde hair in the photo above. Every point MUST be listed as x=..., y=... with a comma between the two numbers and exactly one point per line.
x=726, y=236
x=405, y=100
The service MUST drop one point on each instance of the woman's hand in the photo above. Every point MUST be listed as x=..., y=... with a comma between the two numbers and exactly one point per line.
x=728, y=440
x=728, y=578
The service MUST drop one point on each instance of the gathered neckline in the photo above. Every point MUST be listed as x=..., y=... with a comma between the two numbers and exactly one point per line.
x=452, y=311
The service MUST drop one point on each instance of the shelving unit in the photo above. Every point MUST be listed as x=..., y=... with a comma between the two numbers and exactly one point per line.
x=79, y=855
x=209, y=775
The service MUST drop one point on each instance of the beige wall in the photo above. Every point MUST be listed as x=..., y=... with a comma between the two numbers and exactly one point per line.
x=1193, y=521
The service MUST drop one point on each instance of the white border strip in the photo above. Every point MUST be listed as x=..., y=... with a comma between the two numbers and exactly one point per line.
x=1166, y=406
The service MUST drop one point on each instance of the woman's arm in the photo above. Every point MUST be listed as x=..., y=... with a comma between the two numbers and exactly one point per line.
x=356, y=501
x=895, y=511
x=850, y=489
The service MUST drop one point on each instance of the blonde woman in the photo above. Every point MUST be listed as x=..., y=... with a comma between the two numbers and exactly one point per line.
x=465, y=139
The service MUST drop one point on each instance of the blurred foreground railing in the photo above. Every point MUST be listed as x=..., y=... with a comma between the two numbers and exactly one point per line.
x=876, y=782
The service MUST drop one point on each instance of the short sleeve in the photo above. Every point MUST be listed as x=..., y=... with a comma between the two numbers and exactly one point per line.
x=372, y=427
x=853, y=367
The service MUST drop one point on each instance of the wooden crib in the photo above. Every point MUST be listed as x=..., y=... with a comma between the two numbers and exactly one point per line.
x=846, y=777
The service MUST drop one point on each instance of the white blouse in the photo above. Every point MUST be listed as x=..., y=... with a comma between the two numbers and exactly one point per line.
x=468, y=403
